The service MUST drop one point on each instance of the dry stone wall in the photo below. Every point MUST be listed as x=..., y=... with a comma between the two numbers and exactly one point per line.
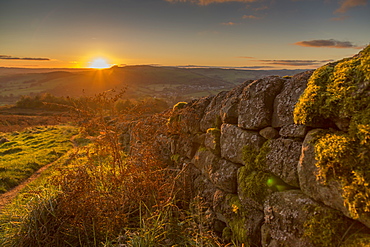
x=255, y=168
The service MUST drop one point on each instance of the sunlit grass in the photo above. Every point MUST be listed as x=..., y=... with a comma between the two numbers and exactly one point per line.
x=27, y=151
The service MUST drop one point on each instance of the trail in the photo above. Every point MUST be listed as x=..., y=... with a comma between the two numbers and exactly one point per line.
x=8, y=196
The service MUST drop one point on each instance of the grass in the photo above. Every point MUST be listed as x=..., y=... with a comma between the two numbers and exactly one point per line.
x=96, y=195
x=28, y=150
x=83, y=199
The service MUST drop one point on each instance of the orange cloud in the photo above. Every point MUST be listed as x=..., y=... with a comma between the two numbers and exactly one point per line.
x=251, y=17
x=207, y=2
x=330, y=43
x=347, y=4
x=230, y=23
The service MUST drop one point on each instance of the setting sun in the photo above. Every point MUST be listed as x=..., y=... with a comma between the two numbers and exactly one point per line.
x=99, y=63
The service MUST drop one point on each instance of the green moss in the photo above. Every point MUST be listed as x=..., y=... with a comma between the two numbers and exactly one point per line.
x=238, y=221
x=227, y=234
x=261, y=157
x=325, y=228
x=249, y=157
x=254, y=184
x=357, y=240
x=255, y=160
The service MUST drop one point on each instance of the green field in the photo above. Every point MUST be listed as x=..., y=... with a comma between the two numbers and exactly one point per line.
x=25, y=152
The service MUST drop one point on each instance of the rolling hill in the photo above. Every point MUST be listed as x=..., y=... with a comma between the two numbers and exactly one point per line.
x=138, y=81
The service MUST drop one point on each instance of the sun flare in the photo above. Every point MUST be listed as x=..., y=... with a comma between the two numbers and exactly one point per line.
x=99, y=63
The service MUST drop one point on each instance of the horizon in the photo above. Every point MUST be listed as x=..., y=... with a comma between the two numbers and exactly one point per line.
x=242, y=34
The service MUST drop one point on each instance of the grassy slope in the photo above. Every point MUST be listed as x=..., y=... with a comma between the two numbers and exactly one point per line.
x=29, y=150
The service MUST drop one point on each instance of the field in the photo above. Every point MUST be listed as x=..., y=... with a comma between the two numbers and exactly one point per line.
x=22, y=153
x=92, y=194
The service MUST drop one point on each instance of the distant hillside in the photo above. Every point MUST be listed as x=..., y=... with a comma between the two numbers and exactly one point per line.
x=138, y=81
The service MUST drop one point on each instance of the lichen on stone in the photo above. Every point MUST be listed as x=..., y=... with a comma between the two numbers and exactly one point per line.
x=340, y=92
x=335, y=91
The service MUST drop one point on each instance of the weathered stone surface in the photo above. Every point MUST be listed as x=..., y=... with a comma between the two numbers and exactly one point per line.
x=287, y=214
x=256, y=103
x=187, y=120
x=269, y=133
x=211, y=117
x=206, y=161
x=185, y=145
x=282, y=160
x=225, y=177
x=233, y=139
x=286, y=100
x=330, y=192
x=222, y=173
x=229, y=110
x=244, y=222
x=293, y=130
x=212, y=140
x=205, y=189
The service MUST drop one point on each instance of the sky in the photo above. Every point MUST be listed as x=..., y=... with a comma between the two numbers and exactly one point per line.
x=249, y=34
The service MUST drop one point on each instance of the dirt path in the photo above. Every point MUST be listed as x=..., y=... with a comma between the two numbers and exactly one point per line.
x=8, y=196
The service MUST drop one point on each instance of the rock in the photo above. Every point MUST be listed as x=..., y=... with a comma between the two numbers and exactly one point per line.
x=269, y=133
x=229, y=110
x=282, y=157
x=244, y=222
x=330, y=192
x=205, y=189
x=185, y=145
x=225, y=177
x=206, y=161
x=222, y=173
x=187, y=119
x=212, y=140
x=256, y=103
x=294, y=219
x=284, y=102
x=212, y=118
x=293, y=130
x=233, y=139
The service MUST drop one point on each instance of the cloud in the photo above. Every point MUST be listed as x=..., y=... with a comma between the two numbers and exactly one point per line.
x=207, y=2
x=347, y=4
x=330, y=43
x=251, y=17
x=230, y=23
x=5, y=57
x=294, y=62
